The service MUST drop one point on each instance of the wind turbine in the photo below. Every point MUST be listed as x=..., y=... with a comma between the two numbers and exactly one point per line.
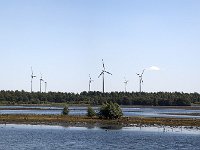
x=90, y=81
x=125, y=83
x=103, y=72
x=141, y=79
x=32, y=76
x=41, y=83
x=45, y=86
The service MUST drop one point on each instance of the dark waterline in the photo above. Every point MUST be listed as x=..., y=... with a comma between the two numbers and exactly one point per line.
x=58, y=137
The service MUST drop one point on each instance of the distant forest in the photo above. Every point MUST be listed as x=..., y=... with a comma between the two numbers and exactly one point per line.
x=97, y=98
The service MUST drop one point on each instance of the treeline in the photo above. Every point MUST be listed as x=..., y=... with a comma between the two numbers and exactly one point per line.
x=98, y=98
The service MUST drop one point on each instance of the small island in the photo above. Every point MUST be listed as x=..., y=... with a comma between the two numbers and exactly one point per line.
x=110, y=114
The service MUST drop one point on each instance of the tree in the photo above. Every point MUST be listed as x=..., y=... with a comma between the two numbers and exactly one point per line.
x=90, y=112
x=110, y=111
x=65, y=110
x=182, y=102
x=98, y=98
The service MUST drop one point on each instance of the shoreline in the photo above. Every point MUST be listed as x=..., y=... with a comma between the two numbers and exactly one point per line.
x=84, y=121
x=61, y=105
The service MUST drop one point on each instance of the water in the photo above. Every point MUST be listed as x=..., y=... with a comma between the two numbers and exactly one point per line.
x=144, y=112
x=37, y=137
x=160, y=112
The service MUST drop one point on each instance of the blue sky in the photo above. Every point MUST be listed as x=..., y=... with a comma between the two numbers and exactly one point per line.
x=65, y=40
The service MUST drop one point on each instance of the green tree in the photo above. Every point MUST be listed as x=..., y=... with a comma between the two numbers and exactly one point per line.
x=110, y=111
x=91, y=112
x=65, y=110
x=98, y=98
x=182, y=102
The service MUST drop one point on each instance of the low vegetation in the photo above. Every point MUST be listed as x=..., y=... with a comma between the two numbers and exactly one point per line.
x=110, y=111
x=65, y=110
x=86, y=121
x=90, y=112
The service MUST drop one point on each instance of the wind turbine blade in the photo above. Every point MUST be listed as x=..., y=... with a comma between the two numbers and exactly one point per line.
x=100, y=74
x=103, y=64
x=108, y=73
x=41, y=75
x=31, y=72
x=90, y=79
x=143, y=71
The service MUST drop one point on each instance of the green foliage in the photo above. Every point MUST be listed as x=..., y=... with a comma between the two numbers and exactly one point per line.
x=91, y=112
x=98, y=98
x=180, y=102
x=110, y=111
x=65, y=110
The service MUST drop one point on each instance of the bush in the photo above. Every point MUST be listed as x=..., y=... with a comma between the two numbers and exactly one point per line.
x=65, y=110
x=110, y=111
x=91, y=112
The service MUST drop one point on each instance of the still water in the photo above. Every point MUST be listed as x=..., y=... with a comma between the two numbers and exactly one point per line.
x=42, y=137
x=133, y=111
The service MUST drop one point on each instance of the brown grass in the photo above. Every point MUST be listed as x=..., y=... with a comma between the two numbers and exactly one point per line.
x=84, y=121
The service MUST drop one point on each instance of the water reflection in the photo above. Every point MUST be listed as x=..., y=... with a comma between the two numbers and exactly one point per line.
x=111, y=127
x=142, y=128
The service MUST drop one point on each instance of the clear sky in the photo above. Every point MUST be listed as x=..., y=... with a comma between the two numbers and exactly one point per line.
x=65, y=40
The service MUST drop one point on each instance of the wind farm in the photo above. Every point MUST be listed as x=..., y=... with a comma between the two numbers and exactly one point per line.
x=104, y=71
x=144, y=98
x=99, y=74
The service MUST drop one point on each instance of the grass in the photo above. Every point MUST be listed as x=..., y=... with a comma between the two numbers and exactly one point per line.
x=84, y=120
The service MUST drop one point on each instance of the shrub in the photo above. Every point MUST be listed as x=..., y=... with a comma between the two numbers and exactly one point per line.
x=90, y=112
x=65, y=110
x=110, y=111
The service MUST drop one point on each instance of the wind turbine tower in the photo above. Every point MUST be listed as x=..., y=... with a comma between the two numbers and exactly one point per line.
x=32, y=76
x=45, y=86
x=103, y=72
x=90, y=81
x=125, y=83
x=140, y=80
x=41, y=80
